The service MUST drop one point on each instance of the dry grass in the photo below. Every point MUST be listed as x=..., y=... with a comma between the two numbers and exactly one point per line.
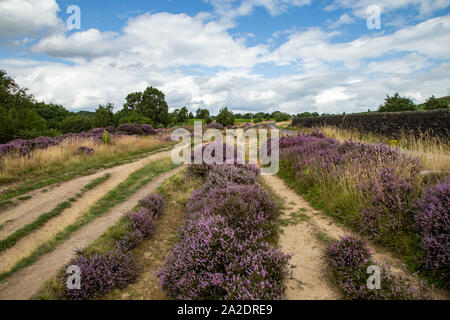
x=434, y=152
x=60, y=158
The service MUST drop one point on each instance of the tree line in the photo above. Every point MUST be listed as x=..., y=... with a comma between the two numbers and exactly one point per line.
x=22, y=117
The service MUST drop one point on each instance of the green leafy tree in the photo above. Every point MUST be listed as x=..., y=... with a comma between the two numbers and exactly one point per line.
x=151, y=104
x=124, y=116
x=396, y=103
x=52, y=113
x=104, y=116
x=432, y=104
x=225, y=117
x=191, y=115
x=76, y=123
x=202, y=113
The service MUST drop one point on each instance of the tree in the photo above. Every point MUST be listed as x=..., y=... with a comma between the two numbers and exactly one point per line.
x=432, y=104
x=52, y=113
x=76, y=123
x=104, y=116
x=191, y=115
x=397, y=104
x=181, y=115
x=123, y=117
x=18, y=114
x=202, y=113
x=151, y=104
x=225, y=117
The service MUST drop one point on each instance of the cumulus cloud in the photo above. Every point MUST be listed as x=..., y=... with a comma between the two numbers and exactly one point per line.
x=429, y=38
x=162, y=39
x=27, y=17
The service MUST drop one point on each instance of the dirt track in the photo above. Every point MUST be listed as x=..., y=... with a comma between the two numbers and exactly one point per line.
x=25, y=283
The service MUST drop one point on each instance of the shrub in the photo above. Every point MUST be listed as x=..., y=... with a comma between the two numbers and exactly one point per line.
x=210, y=263
x=216, y=125
x=389, y=210
x=106, y=138
x=433, y=224
x=350, y=258
x=153, y=202
x=130, y=241
x=83, y=150
x=148, y=129
x=102, y=273
x=141, y=220
x=131, y=129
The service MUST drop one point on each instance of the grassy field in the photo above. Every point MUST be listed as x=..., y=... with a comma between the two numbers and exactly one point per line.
x=43, y=167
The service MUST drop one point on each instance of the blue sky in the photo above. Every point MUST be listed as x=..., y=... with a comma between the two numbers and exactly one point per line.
x=249, y=55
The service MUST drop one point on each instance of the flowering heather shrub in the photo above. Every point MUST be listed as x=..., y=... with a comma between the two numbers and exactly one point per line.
x=211, y=263
x=220, y=176
x=102, y=273
x=350, y=258
x=433, y=224
x=83, y=150
x=389, y=210
x=141, y=220
x=130, y=241
x=247, y=209
x=24, y=147
x=148, y=129
x=215, y=125
x=153, y=202
x=131, y=129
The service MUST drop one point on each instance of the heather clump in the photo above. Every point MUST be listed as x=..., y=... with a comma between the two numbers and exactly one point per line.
x=350, y=259
x=153, y=202
x=247, y=209
x=211, y=263
x=388, y=212
x=100, y=273
x=432, y=221
x=224, y=250
x=83, y=150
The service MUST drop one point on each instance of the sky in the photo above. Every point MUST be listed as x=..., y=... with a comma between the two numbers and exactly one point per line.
x=326, y=56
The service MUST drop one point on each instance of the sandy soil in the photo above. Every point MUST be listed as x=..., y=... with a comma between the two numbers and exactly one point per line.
x=25, y=283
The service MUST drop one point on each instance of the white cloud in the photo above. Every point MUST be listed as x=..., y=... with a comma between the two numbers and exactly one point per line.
x=428, y=38
x=359, y=7
x=344, y=19
x=27, y=17
x=161, y=39
x=229, y=10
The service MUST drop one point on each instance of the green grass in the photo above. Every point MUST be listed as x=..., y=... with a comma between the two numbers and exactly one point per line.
x=12, y=239
x=84, y=168
x=325, y=238
x=131, y=185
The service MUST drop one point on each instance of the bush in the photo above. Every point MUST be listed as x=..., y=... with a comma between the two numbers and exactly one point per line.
x=390, y=203
x=223, y=252
x=216, y=125
x=433, y=224
x=148, y=129
x=153, y=202
x=83, y=150
x=131, y=129
x=397, y=104
x=210, y=264
x=350, y=258
x=102, y=273
x=432, y=104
